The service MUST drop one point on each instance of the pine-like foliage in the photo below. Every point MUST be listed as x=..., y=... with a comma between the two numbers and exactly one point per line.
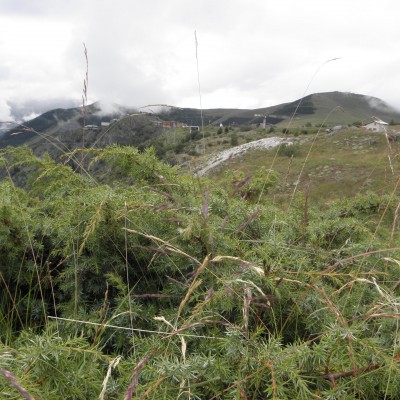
x=147, y=283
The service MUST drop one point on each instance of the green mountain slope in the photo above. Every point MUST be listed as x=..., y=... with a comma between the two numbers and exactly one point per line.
x=61, y=128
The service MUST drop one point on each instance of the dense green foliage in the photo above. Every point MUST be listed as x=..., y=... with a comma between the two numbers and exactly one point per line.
x=154, y=284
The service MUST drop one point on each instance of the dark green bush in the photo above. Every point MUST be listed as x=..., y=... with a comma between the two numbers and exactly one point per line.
x=179, y=147
x=234, y=139
x=289, y=150
x=245, y=128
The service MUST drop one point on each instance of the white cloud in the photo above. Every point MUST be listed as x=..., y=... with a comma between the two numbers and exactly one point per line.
x=251, y=53
x=5, y=114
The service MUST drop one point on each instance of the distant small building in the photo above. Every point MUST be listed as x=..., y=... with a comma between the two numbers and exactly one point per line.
x=104, y=123
x=171, y=124
x=377, y=125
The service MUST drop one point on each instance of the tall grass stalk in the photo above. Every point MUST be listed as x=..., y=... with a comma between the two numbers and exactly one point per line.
x=14, y=382
x=135, y=376
x=78, y=244
x=198, y=82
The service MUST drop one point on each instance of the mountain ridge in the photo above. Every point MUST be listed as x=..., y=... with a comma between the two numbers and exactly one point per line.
x=141, y=129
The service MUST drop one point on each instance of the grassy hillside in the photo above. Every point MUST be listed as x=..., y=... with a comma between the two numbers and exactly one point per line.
x=331, y=108
x=328, y=167
x=337, y=108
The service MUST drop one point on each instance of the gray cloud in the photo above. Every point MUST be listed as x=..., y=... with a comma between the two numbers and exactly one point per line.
x=24, y=110
x=19, y=7
x=250, y=53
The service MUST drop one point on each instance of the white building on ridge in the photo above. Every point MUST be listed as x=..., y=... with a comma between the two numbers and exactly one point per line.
x=377, y=125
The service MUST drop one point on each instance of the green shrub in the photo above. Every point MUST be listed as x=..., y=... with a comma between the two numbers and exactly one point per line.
x=245, y=128
x=289, y=150
x=179, y=147
x=171, y=285
x=234, y=139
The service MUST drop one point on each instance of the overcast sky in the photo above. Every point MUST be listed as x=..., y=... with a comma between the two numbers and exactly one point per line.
x=251, y=53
